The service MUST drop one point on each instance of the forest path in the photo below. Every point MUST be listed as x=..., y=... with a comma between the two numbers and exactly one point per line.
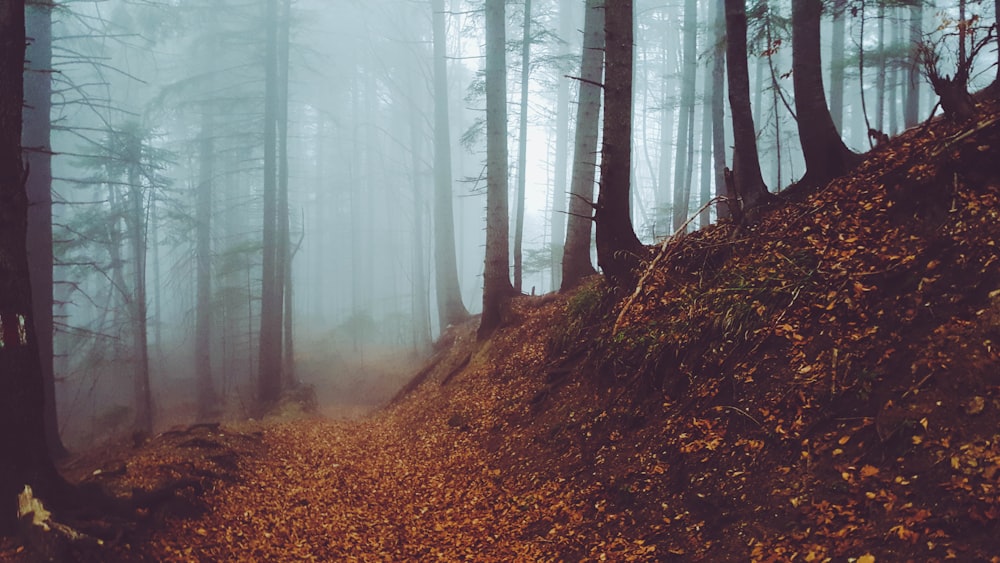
x=367, y=490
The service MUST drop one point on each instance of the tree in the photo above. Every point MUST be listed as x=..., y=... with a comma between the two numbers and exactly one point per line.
x=718, y=112
x=576, y=257
x=522, y=145
x=953, y=91
x=26, y=458
x=496, y=276
x=747, y=179
x=685, y=123
x=911, y=93
x=207, y=399
x=451, y=310
x=36, y=140
x=618, y=249
x=825, y=154
x=838, y=31
x=269, y=378
x=560, y=186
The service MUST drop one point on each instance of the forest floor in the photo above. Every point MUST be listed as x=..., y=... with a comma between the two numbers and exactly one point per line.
x=824, y=386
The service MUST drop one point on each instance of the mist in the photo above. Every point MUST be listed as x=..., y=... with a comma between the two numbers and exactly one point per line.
x=251, y=196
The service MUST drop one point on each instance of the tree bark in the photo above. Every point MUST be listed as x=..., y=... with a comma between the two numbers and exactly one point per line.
x=837, y=64
x=911, y=110
x=207, y=399
x=522, y=148
x=25, y=458
x=576, y=258
x=618, y=249
x=560, y=187
x=36, y=140
x=269, y=376
x=748, y=182
x=825, y=154
x=719, y=112
x=496, y=276
x=136, y=223
x=451, y=310
x=685, y=123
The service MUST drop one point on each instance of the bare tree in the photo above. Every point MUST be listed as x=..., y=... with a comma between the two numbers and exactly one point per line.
x=618, y=249
x=496, y=277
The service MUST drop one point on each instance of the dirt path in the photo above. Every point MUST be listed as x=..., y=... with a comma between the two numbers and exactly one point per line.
x=368, y=491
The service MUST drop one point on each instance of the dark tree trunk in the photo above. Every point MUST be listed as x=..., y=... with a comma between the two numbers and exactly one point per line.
x=522, y=148
x=25, y=457
x=618, y=249
x=38, y=156
x=269, y=377
x=576, y=258
x=451, y=310
x=748, y=182
x=825, y=154
x=496, y=276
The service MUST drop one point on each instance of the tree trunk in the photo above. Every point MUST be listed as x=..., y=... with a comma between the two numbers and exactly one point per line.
x=747, y=179
x=685, y=129
x=207, y=399
x=837, y=64
x=25, y=458
x=522, y=148
x=36, y=140
x=880, y=79
x=283, y=266
x=618, y=249
x=451, y=310
x=664, y=193
x=560, y=187
x=269, y=377
x=419, y=307
x=135, y=219
x=576, y=259
x=713, y=131
x=718, y=112
x=911, y=111
x=825, y=154
x=496, y=276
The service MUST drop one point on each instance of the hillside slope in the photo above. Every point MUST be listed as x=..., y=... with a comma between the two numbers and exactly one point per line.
x=824, y=385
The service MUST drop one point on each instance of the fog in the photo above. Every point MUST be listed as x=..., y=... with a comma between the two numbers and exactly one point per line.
x=179, y=125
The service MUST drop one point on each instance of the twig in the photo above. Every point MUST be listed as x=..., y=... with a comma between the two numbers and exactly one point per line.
x=660, y=256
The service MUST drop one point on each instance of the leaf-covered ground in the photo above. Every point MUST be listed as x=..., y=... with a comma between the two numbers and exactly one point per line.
x=824, y=386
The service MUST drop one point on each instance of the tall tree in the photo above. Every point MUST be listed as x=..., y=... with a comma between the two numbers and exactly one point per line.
x=207, y=399
x=136, y=228
x=911, y=93
x=36, y=139
x=837, y=65
x=269, y=377
x=747, y=179
x=825, y=154
x=559, y=180
x=496, y=276
x=451, y=310
x=522, y=146
x=576, y=258
x=618, y=249
x=719, y=63
x=685, y=123
x=26, y=458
